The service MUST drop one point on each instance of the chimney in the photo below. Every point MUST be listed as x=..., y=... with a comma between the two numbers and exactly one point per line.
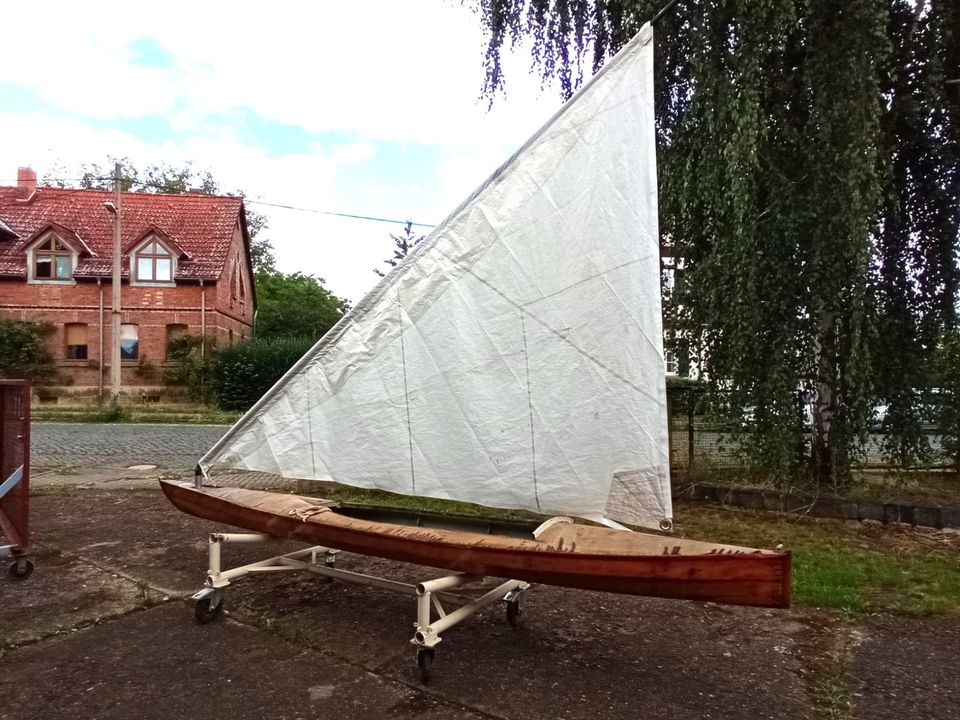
x=26, y=184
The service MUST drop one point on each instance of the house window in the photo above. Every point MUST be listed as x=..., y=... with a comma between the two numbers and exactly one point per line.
x=175, y=331
x=76, y=337
x=670, y=361
x=52, y=260
x=154, y=263
x=129, y=342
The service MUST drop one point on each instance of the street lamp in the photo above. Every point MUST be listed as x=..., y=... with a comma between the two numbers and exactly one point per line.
x=113, y=207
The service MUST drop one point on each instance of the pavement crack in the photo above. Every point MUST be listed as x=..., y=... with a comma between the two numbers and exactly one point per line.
x=9, y=646
x=139, y=582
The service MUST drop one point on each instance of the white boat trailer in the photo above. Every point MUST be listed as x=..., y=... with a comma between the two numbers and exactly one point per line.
x=431, y=594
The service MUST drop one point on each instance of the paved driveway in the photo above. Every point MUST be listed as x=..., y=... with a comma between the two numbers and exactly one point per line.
x=109, y=445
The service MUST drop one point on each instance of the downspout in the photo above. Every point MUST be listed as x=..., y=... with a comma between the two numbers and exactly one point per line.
x=100, y=353
x=203, y=320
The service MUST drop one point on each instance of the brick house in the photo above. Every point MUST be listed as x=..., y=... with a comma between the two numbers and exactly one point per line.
x=185, y=266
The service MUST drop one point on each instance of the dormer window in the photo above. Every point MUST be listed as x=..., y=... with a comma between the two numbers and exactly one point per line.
x=154, y=256
x=154, y=263
x=52, y=260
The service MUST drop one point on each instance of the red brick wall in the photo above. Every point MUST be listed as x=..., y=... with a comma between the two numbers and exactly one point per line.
x=151, y=308
x=236, y=306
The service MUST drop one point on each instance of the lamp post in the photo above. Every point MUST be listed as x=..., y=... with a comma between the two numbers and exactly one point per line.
x=115, y=311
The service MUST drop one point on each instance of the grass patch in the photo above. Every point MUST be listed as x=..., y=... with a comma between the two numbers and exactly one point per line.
x=136, y=414
x=851, y=567
x=830, y=697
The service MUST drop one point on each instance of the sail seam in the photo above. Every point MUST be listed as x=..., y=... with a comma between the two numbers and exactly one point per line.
x=533, y=443
x=406, y=396
x=546, y=326
x=313, y=448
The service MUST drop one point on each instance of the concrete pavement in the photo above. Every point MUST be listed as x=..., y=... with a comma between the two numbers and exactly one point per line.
x=102, y=630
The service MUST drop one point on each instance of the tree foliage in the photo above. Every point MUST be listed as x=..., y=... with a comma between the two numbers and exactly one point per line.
x=808, y=161
x=295, y=305
x=403, y=244
x=23, y=352
x=243, y=372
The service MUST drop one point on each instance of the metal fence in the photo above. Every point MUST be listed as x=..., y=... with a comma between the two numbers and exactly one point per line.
x=701, y=442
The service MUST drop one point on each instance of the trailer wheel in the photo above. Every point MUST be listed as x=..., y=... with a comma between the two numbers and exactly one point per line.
x=21, y=568
x=425, y=664
x=206, y=610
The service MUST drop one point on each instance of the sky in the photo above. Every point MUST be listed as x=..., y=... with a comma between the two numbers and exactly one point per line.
x=366, y=108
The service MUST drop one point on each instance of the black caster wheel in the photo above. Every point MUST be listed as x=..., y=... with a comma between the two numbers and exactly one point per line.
x=208, y=609
x=21, y=568
x=514, y=611
x=425, y=664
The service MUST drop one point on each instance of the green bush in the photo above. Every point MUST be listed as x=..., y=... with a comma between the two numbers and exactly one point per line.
x=23, y=353
x=242, y=373
x=190, y=367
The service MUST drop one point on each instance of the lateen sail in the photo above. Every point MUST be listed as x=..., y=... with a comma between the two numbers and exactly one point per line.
x=515, y=358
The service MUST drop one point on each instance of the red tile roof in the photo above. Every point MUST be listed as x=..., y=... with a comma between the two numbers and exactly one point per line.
x=201, y=225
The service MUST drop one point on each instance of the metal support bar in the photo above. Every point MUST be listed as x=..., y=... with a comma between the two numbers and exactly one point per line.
x=8, y=529
x=431, y=594
x=12, y=481
x=445, y=583
x=428, y=633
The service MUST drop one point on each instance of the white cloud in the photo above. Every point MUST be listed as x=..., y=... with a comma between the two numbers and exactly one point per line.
x=407, y=75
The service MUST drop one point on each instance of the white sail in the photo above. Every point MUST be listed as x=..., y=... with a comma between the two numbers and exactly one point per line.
x=515, y=358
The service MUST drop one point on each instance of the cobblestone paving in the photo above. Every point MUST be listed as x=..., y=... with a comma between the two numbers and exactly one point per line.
x=170, y=447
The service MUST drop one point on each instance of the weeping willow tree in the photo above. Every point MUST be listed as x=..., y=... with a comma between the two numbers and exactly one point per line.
x=808, y=179
x=916, y=275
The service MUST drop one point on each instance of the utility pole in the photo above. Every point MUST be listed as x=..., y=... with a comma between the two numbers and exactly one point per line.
x=115, y=306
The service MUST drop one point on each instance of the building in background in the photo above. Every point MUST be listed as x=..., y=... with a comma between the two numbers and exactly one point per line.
x=185, y=266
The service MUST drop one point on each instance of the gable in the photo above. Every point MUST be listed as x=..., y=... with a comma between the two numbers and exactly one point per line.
x=65, y=235
x=155, y=234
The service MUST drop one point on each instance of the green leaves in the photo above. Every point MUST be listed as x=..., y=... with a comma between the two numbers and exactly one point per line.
x=295, y=305
x=243, y=372
x=23, y=352
x=810, y=187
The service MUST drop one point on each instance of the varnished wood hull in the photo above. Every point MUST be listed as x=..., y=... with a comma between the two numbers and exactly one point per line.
x=607, y=560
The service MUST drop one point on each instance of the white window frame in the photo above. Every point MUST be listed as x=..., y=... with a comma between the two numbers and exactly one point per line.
x=135, y=259
x=670, y=361
x=32, y=265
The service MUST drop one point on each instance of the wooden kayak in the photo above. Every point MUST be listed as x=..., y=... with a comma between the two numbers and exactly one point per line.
x=559, y=553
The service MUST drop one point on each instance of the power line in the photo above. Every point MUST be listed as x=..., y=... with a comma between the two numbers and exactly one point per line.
x=337, y=214
x=248, y=201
